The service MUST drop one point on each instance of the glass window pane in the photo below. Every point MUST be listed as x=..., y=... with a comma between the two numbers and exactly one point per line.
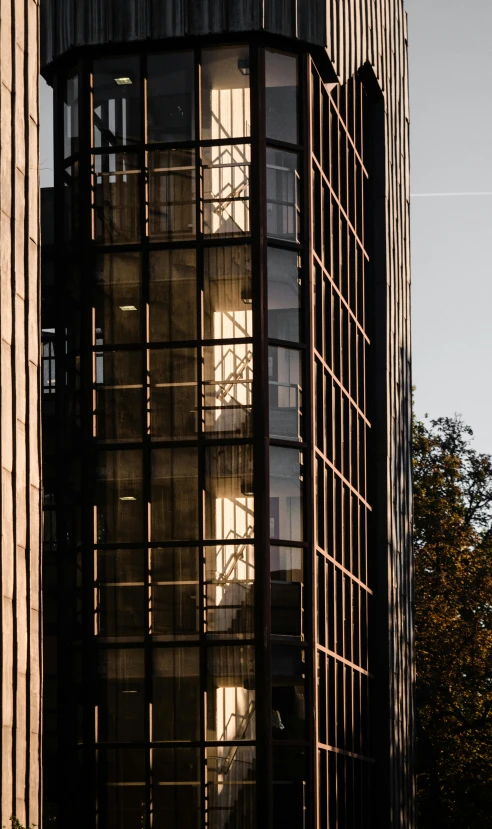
x=231, y=787
x=230, y=693
x=228, y=389
x=116, y=90
x=225, y=93
x=282, y=195
x=71, y=201
x=175, y=593
x=119, y=497
x=122, y=790
x=229, y=501
x=172, y=194
x=172, y=295
x=285, y=494
x=119, y=395
x=174, y=494
x=117, y=199
x=173, y=401
x=229, y=597
x=285, y=389
x=287, y=589
x=121, y=566
x=71, y=114
x=288, y=693
x=176, y=694
x=228, y=299
x=122, y=612
x=284, y=295
x=226, y=190
x=121, y=708
x=118, y=299
x=289, y=787
x=281, y=96
x=170, y=97
x=176, y=788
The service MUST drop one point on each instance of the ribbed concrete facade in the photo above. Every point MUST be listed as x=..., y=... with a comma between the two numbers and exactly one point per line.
x=20, y=419
x=354, y=33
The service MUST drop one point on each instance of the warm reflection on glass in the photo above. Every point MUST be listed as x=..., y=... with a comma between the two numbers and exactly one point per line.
x=172, y=295
x=121, y=596
x=116, y=198
x=228, y=389
x=176, y=788
x=173, y=393
x=285, y=494
x=176, y=694
x=284, y=294
x=282, y=195
x=172, y=194
x=285, y=388
x=229, y=501
x=119, y=497
x=119, y=395
x=175, y=593
x=231, y=787
x=287, y=590
x=229, y=597
x=227, y=297
x=230, y=693
x=118, y=298
x=281, y=97
x=226, y=190
x=174, y=494
x=121, y=708
x=170, y=97
x=225, y=93
x=116, y=101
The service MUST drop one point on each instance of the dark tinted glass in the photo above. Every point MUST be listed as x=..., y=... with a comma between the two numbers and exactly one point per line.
x=170, y=97
x=281, y=96
x=116, y=101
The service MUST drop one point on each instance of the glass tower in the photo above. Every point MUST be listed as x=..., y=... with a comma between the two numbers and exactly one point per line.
x=208, y=367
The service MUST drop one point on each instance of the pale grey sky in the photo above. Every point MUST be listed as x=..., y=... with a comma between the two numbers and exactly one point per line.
x=451, y=132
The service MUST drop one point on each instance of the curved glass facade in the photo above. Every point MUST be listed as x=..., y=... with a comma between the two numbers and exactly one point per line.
x=210, y=486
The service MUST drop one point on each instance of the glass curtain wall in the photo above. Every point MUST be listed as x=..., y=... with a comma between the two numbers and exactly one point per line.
x=158, y=705
x=286, y=291
x=340, y=176
x=156, y=324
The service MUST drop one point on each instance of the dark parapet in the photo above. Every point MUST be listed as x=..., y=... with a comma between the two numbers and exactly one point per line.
x=66, y=24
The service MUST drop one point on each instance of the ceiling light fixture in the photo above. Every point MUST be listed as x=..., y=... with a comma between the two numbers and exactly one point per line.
x=128, y=307
x=123, y=81
x=127, y=498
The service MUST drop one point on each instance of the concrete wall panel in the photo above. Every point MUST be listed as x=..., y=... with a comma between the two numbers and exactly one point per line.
x=19, y=413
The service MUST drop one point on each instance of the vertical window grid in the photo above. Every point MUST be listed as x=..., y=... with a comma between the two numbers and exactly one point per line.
x=341, y=342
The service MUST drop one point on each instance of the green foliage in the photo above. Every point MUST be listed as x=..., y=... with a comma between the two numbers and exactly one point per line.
x=453, y=561
x=16, y=824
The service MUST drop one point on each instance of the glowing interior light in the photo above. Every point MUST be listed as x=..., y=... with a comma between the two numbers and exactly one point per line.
x=123, y=81
x=127, y=498
x=128, y=307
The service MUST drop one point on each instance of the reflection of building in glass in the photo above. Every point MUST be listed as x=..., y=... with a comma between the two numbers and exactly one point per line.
x=230, y=433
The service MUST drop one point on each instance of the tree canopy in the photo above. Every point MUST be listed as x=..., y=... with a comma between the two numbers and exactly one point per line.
x=453, y=561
